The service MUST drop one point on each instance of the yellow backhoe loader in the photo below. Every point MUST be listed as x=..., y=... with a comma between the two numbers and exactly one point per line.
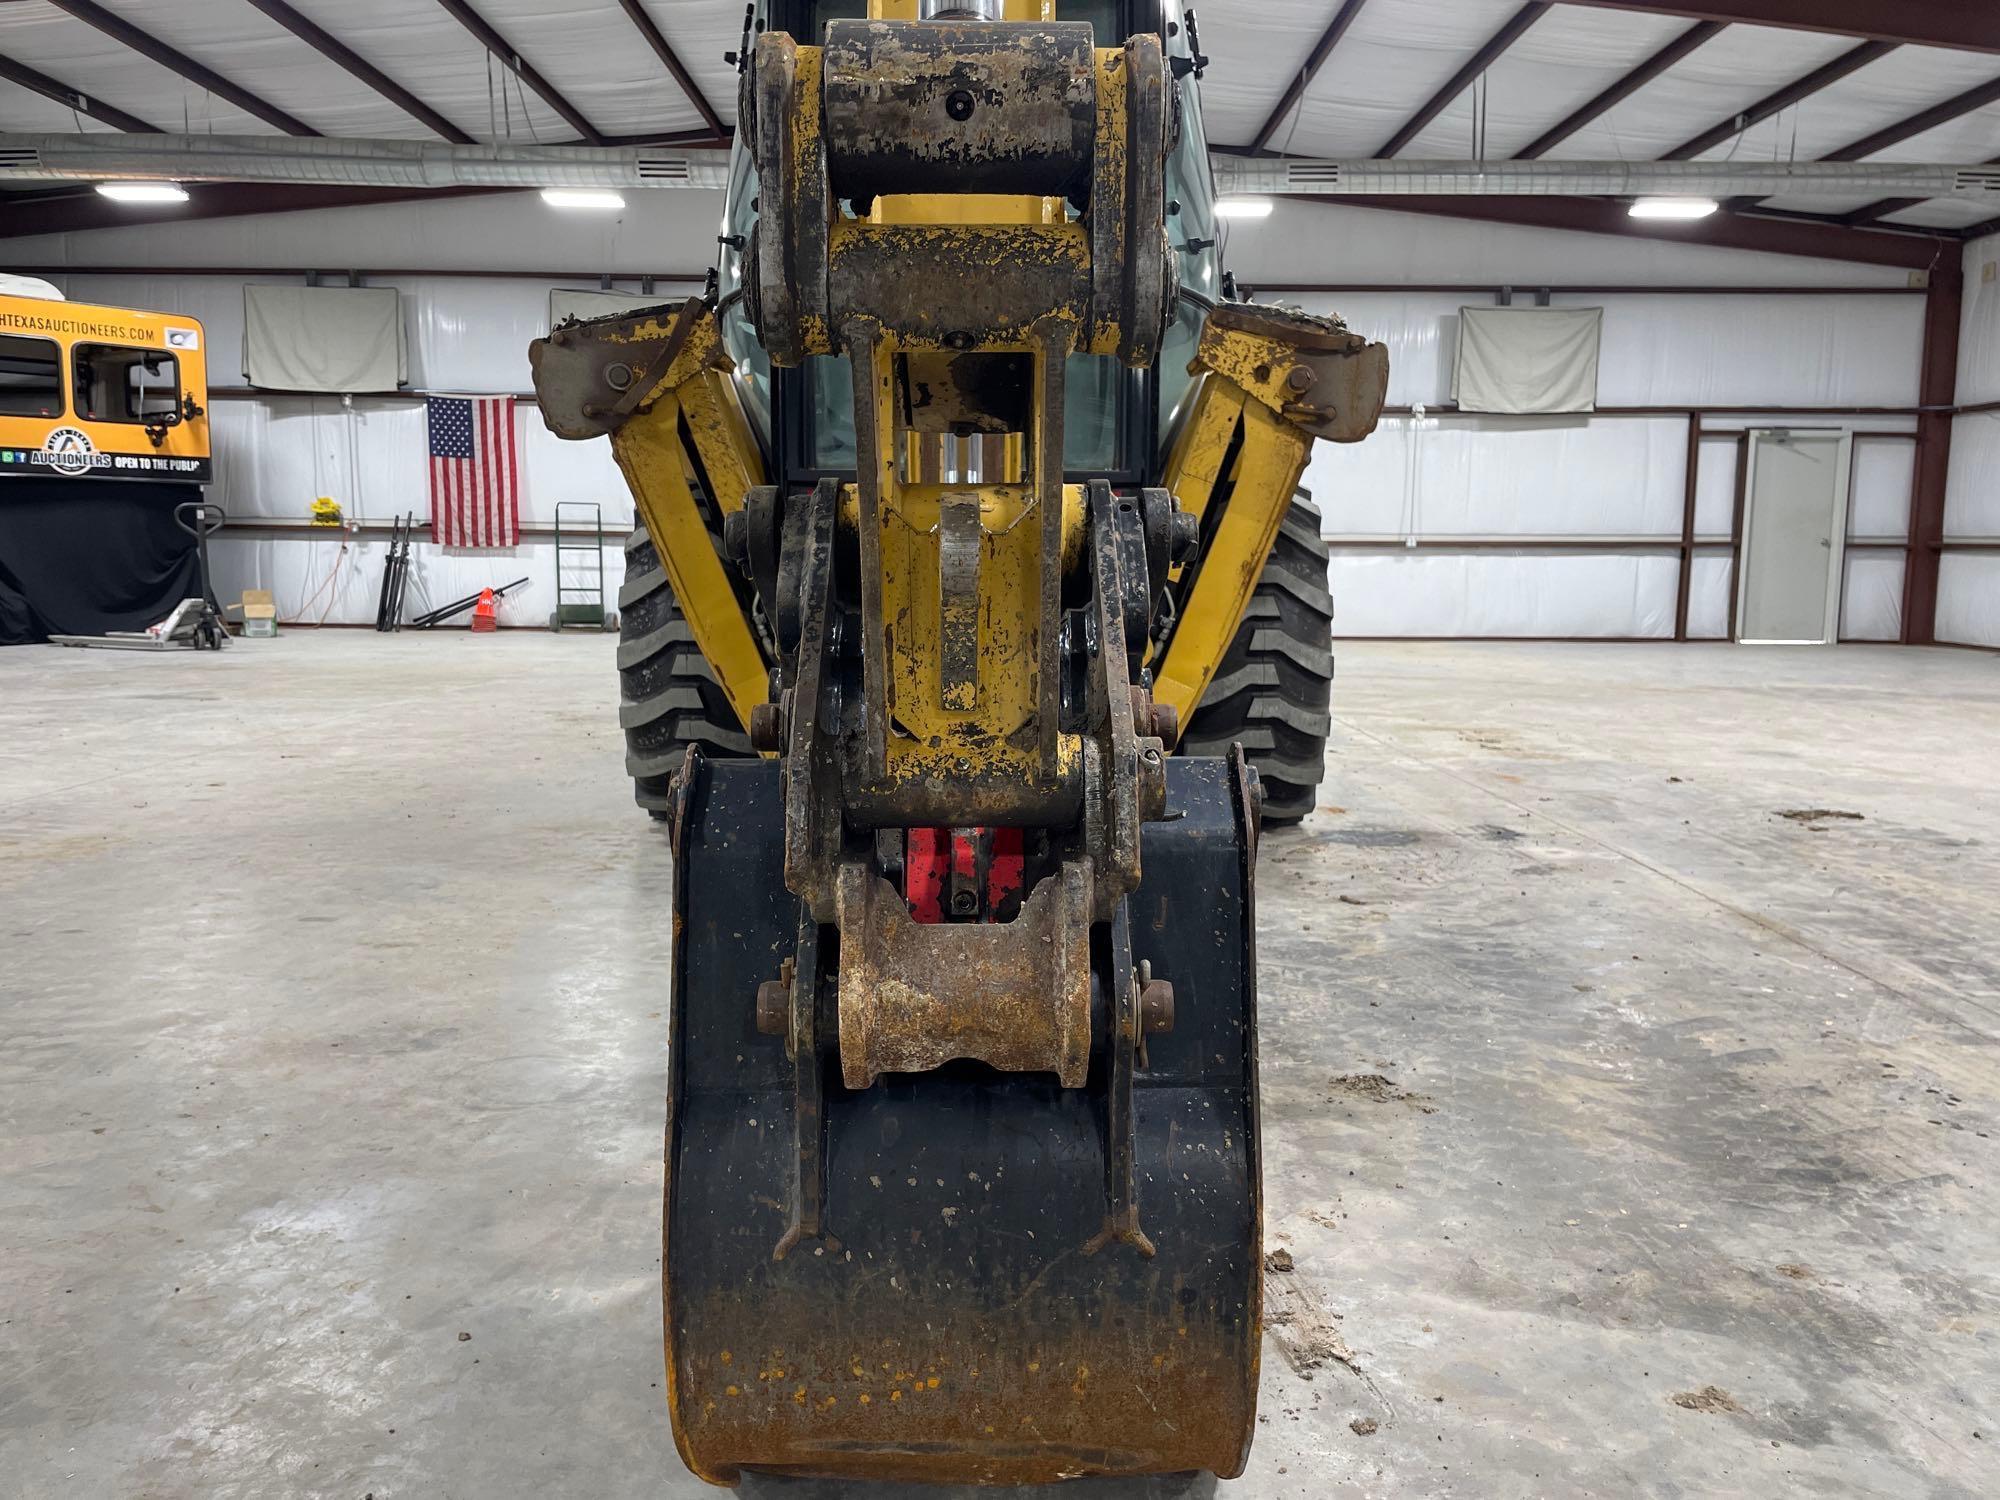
x=968, y=501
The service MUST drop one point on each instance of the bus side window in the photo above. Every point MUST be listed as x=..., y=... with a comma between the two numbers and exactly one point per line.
x=30, y=377
x=117, y=383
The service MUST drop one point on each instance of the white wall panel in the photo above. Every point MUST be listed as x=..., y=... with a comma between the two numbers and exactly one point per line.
x=1743, y=350
x=273, y=458
x=1979, y=324
x=1550, y=476
x=1882, y=472
x=1502, y=594
x=1968, y=611
x=1871, y=599
x=1325, y=242
x=1972, y=493
x=1715, y=487
x=1709, y=586
x=1663, y=350
x=1420, y=328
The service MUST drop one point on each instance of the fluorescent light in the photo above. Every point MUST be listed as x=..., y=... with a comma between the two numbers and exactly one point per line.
x=144, y=192
x=582, y=198
x=1673, y=208
x=1243, y=208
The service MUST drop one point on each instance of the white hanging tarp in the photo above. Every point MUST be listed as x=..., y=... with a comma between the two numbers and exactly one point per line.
x=1534, y=360
x=298, y=338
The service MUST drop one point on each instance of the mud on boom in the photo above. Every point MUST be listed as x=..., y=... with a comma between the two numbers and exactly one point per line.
x=962, y=1170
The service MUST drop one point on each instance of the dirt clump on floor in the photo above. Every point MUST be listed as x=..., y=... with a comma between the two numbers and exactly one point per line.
x=1710, y=1398
x=1362, y=1426
x=1818, y=814
x=1278, y=1260
x=1794, y=1270
x=1304, y=1326
x=1376, y=1089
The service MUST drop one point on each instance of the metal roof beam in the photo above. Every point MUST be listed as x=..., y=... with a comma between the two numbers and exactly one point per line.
x=499, y=46
x=149, y=46
x=1891, y=135
x=1971, y=25
x=673, y=65
x=344, y=57
x=1850, y=61
x=1478, y=63
x=1916, y=124
x=1622, y=90
x=1915, y=251
x=1315, y=60
x=69, y=98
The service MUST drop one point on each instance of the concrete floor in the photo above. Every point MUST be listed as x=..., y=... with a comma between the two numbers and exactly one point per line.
x=333, y=978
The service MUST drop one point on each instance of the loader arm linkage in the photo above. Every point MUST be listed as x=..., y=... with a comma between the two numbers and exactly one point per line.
x=963, y=1180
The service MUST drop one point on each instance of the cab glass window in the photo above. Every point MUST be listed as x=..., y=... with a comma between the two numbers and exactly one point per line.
x=30, y=377
x=117, y=383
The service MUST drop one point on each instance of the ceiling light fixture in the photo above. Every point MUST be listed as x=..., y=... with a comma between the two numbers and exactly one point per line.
x=143, y=192
x=1673, y=208
x=1243, y=208
x=582, y=198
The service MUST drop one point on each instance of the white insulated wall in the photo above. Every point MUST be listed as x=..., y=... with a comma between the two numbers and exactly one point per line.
x=1615, y=478
x=1969, y=581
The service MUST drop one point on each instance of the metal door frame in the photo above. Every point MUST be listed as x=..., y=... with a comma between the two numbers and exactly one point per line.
x=1843, y=484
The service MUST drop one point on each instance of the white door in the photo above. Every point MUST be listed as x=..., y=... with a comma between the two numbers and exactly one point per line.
x=1794, y=534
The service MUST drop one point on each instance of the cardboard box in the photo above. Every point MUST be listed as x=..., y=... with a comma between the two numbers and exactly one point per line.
x=260, y=613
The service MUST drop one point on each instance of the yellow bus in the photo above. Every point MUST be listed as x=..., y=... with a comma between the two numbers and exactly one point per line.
x=101, y=393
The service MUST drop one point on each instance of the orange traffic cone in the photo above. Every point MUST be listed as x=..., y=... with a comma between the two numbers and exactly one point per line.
x=483, y=616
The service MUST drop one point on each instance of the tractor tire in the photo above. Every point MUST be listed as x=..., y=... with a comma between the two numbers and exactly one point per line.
x=668, y=698
x=1273, y=692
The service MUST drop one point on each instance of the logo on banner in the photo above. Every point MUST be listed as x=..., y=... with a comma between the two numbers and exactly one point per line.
x=71, y=452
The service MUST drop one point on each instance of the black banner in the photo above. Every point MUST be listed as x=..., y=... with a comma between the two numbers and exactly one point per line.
x=83, y=556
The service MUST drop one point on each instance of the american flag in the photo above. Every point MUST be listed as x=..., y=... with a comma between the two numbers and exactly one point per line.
x=475, y=473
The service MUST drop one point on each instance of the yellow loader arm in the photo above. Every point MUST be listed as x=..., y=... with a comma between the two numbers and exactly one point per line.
x=1269, y=381
x=666, y=368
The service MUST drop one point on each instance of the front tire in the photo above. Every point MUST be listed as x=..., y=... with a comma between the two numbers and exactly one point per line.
x=668, y=697
x=1273, y=692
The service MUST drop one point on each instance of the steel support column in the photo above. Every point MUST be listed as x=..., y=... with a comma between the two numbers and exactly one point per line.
x=1937, y=392
x=1689, y=491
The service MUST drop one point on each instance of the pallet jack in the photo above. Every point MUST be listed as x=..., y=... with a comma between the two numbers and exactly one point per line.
x=193, y=622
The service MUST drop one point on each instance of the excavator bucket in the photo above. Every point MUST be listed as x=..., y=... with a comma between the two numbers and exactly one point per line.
x=919, y=1280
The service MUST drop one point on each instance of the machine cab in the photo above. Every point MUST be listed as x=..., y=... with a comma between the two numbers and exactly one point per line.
x=1117, y=420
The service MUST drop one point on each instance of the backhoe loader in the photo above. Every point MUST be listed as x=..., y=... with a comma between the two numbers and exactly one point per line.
x=964, y=482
